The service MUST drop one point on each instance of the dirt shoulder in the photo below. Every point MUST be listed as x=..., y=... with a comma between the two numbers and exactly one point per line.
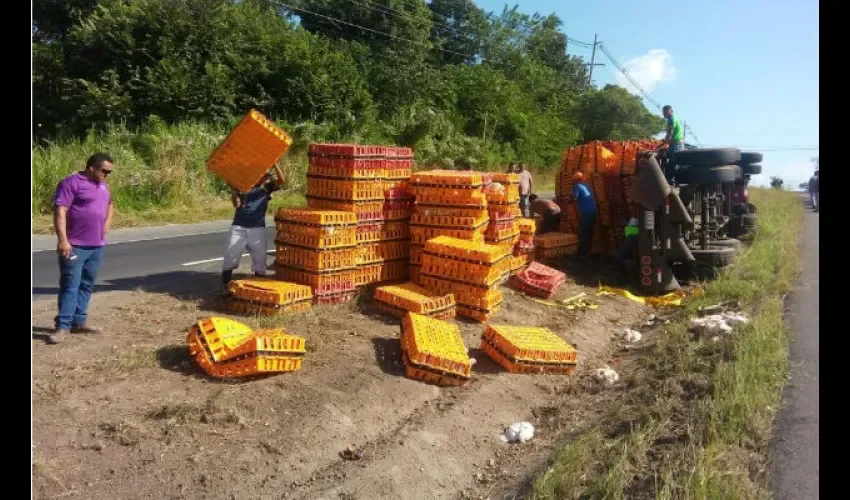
x=127, y=414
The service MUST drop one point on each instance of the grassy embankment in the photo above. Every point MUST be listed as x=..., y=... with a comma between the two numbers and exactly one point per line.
x=696, y=418
x=160, y=176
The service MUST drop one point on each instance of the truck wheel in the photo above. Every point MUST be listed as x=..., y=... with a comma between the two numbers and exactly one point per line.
x=709, y=175
x=751, y=169
x=750, y=157
x=748, y=221
x=726, y=242
x=708, y=157
x=716, y=256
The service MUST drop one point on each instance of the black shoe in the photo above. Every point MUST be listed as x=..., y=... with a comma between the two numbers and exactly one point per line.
x=226, y=276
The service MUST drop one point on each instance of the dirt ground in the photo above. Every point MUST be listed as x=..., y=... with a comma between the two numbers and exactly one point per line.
x=127, y=414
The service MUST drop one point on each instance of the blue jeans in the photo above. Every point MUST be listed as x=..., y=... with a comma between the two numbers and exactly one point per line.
x=523, y=205
x=585, y=233
x=76, y=282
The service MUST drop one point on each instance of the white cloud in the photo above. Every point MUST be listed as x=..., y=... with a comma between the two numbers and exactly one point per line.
x=648, y=70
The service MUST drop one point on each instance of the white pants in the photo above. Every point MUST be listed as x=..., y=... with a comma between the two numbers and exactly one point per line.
x=240, y=237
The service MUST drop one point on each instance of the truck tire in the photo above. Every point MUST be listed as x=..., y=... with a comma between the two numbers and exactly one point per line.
x=708, y=157
x=709, y=175
x=726, y=242
x=750, y=157
x=735, y=227
x=716, y=256
x=751, y=169
x=748, y=221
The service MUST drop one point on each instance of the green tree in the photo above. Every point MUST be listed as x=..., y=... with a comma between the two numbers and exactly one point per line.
x=613, y=113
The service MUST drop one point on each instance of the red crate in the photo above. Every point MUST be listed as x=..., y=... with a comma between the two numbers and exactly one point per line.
x=346, y=150
x=399, y=152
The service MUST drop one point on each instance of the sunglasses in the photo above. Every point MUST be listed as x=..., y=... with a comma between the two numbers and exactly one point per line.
x=106, y=171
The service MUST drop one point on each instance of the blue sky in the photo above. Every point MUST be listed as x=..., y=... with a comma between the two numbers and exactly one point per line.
x=742, y=74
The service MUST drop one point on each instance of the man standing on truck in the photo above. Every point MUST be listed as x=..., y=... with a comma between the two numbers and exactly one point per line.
x=675, y=137
x=814, y=191
x=249, y=226
x=549, y=211
x=82, y=215
x=526, y=186
x=587, y=214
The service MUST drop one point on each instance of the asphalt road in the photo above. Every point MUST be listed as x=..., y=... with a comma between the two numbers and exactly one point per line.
x=179, y=264
x=795, y=463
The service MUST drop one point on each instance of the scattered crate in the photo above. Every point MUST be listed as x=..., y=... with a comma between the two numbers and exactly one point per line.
x=523, y=349
x=249, y=151
x=433, y=351
x=470, y=251
x=397, y=300
x=320, y=282
x=268, y=297
x=225, y=348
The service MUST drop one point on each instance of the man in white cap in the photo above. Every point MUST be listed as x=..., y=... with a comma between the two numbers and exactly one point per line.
x=629, y=245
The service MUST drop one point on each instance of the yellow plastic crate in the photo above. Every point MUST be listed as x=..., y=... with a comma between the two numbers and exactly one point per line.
x=316, y=260
x=507, y=197
x=395, y=270
x=482, y=298
x=505, y=178
x=316, y=237
x=265, y=296
x=479, y=315
x=367, y=274
x=246, y=354
x=554, y=240
x=470, y=251
x=414, y=298
x=530, y=344
x=345, y=190
x=315, y=217
x=383, y=251
x=434, y=345
x=504, y=211
x=448, y=222
x=316, y=280
x=419, y=235
x=527, y=226
x=447, y=178
x=249, y=151
x=464, y=271
x=449, y=198
x=443, y=211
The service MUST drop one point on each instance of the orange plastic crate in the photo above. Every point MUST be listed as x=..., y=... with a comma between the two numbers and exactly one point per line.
x=316, y=260
x=447, y=211
x=434, y=346
x=315, y=217
x=554, y=240
x=346, y=150
x=367, y=274
x=249, y=151
x=464, y=271
x=416, y=254
x=456, y=198
x=397, y=210
x=479, y=315
x=372, y=253
x=317, y=280
x=448, y=222
x=465, y=250
x=478, y=297
x=324, y=170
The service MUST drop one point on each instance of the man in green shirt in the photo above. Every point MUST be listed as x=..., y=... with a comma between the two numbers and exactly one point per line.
x=675, y=137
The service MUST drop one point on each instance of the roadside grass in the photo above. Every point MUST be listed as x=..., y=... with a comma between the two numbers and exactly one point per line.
x=696, y=417
x=161, y=177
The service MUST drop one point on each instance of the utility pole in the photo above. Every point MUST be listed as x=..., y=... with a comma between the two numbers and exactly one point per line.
x=593, y=59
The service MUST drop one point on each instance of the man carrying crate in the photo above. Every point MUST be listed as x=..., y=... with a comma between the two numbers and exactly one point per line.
x=249, y=226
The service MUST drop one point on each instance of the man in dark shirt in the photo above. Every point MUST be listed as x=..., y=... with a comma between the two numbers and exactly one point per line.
x=249, y=227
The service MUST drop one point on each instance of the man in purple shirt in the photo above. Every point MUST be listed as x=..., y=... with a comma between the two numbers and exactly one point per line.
x=82, y=215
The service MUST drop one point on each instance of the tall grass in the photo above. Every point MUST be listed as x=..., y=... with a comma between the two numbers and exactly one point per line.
x=160, y=174
x=725, y=425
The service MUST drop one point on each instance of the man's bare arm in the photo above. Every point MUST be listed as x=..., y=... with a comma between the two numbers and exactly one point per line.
x=234, y=198
x=109, y=213
x=60, y=218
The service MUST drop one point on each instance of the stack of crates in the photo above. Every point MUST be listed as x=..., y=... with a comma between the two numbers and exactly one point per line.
x=448, y=203
x=503, y=210
x=432, y=351
x=318, y=248
x=523, y=252
x=371, y=182
x=551, y=246
x=224, y=348
x=528, y=349
x=265, y=297
x=398, y=300
x=471, y=270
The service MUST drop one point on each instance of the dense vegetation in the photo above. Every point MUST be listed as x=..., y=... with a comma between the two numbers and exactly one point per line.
x=453, y=81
